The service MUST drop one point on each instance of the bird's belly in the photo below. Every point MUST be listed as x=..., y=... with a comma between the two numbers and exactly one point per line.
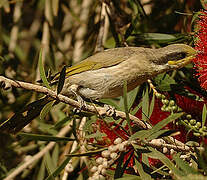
x=106, y=82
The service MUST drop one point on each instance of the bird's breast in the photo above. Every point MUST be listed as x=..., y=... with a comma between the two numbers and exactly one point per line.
x=108, y=82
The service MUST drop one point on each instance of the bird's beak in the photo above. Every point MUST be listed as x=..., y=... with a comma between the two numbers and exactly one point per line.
x=183, y=61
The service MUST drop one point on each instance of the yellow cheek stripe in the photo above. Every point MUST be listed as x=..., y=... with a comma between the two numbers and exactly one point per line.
x=185, y=60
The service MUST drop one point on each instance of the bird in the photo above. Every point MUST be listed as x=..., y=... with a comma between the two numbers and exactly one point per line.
x=104, y=74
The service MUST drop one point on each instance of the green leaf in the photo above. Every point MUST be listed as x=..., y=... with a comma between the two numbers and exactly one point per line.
x=164, y=82
x=154, y=132
x=41, y=172
x=47, y=128
x=145, y=159
x=135, y=110
x=126, y=107
x=131, y=96
x=145, y=105
x=98, y=135
x=38, y=137
x=193, y=177
x=201, y=158
x=163, y=123
x=158, y=155
x=59, y=169
x=184, y=165
x=61, y=80
x=121, y=166
x=113, y=31
x=42, y=70
x=159, y=36
x=161, y=133
x=119, y=171
x=46, y=109
x=88, y=153
x=49, y=163
x=55, y=155
x=74, y=130
x=142, y=134
x=61, y=122
x=130, y=177
x=204, y=116
x=110, y=102
x=151, y=108
x=143, y=174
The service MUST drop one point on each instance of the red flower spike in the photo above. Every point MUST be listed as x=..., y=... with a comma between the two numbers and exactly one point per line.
x=201, y=46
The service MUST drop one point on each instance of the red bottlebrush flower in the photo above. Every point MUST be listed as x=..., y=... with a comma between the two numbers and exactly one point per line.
x=114, y=131
x=201, y=45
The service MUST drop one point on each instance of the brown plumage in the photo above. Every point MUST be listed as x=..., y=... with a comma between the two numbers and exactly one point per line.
x=103, y=74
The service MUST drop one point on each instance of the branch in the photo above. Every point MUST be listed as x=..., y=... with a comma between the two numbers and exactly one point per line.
x=102, y=111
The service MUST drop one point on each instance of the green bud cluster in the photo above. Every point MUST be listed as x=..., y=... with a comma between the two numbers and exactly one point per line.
x=194, y=125
x=187, y=120
x=168, y=105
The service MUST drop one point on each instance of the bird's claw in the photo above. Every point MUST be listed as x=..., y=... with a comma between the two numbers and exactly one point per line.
x=110, y=111
x=5, y=85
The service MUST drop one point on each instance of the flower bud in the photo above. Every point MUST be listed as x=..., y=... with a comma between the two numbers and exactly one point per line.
x=117, y=141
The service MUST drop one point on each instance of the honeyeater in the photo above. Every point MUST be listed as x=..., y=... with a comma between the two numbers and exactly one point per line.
x=103, y=75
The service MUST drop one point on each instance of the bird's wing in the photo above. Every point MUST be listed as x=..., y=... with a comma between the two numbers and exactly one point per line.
x=103, y=59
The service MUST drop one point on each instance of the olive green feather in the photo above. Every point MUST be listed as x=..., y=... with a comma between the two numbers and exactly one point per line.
x=104, y=59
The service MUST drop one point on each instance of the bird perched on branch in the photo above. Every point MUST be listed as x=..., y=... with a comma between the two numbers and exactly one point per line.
x=103, y=76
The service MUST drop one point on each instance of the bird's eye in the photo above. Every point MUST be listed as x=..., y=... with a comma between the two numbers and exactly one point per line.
x=183, y=55
x=177, y=56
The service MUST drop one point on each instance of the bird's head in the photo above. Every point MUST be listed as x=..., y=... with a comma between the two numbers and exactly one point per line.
x=174, y=56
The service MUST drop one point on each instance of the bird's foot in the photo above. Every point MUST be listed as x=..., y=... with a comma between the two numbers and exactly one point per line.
x=5, y=85
x=110, y=111
x=74, y=90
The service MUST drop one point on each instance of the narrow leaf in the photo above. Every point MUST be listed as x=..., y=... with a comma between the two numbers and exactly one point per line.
x=89, y=153
x=61, y=122
x=131, y=96
x=151, y=108
x=142, y=134
x=145, y=105
x=38, y=137
x=61, y=80
x=41, y=172
x=158, y=155
x=119, y=170
x=49, y=163
x=143, y=174
x=129, y=177
x=126, y=106
x=46, y=110
x=55, y=155
x=184, y=165
x=42, y=70
x=204, y=115
x=161, y=133
x=59, y=169
x=164, y=122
